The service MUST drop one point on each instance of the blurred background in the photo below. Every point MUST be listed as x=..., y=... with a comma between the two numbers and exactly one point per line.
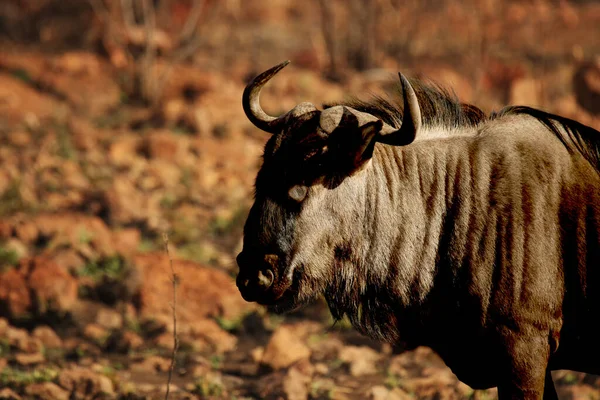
x=121, y=122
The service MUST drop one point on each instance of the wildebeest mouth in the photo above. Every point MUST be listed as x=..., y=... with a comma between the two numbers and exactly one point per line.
x=282, y=297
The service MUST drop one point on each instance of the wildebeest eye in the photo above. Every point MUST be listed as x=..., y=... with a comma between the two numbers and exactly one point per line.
x=298, y=192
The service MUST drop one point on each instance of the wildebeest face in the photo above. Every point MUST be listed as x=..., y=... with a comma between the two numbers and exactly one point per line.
x=305, y=205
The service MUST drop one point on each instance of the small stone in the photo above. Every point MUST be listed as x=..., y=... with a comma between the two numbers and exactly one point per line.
x=46, y=391
x=29, y=359
x=362, y=360
x=30, y=345
x=83, y=383
x=15, y=336
x=321, y=369
x=8, y=394
x=284, y=349
x=257, y=354
x=152, y=364
x=95, y=333
x=109, y=318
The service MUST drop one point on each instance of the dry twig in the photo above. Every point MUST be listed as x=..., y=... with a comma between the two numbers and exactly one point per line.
x=175, y=281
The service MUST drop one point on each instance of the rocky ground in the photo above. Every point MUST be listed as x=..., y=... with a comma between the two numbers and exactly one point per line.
x=94, y=186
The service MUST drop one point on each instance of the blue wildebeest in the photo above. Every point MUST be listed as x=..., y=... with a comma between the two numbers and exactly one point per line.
x=430, y=223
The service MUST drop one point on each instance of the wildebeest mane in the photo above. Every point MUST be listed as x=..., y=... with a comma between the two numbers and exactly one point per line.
x=439, y=107
x=574, y=135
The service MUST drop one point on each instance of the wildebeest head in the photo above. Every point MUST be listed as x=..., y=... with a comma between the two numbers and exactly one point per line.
x=308, y=193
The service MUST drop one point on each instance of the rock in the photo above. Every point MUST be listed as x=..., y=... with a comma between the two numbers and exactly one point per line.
x=81, y=349
x=383, y=393
x=19, y=101
x=47, y=336
x=83, y=383
x=284, y=348
x=96, y=333
x=152, y=364
x=52, y=287
x=30, y=345
x=257, y=354
x=4, y=325
x=362, y=360
x=292, y=383
x=14, y=295
x=211, y=335
x=202, y=292
x=127, y=204
x=69, y=258
x=165, y=146
x=124, y=151
x=26, y=232
x=46, y=391
x=132, y=341
x=8, y=394
x=297, y=380
x=15, y=336
x=109, y=318
x=127, y=241
x=29, y=358
x=123, y=341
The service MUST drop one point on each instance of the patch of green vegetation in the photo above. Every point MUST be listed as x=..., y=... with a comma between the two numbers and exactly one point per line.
x=570, y=378
x=216, y=361
x=64, y=139
x=147, y=244
x=84, y=236
x=206, y=387
x=222, y=226
x=316, y=338
x=168, y=201
x=476, y=395
x=4, y=347
x=113, y=119
x=199, y=252
x=274, y=320
x=16, y=378
x=113, y=267
x=8, y=258
x=182, y=129
x=22, y=75
x=231, y=325
x=321, y=390
x=392, y=381
x=336, y=363
x=11, y=200
x=187, y=178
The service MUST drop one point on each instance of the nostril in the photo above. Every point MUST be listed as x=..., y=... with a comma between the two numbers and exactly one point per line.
x=265, y=279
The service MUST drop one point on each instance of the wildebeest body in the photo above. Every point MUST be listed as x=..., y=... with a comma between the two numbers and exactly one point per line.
x=480, y=239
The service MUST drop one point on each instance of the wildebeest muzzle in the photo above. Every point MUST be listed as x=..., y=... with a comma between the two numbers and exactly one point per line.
x=257, y=276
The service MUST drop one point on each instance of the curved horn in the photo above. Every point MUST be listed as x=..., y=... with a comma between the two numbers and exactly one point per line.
x=251, y=101
x=411, y=121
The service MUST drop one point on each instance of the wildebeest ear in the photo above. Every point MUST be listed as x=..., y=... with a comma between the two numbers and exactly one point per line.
x=368, y=134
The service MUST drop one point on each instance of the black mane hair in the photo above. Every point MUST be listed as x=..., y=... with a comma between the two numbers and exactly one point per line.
x=440, y=107
x=574, y=135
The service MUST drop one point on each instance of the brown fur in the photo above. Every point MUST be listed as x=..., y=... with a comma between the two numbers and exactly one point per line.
x=481, y=239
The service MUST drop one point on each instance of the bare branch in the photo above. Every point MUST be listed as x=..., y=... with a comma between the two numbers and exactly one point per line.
x=150, y=54
x=175, y=281
x=127, y=8
x=191, y=23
